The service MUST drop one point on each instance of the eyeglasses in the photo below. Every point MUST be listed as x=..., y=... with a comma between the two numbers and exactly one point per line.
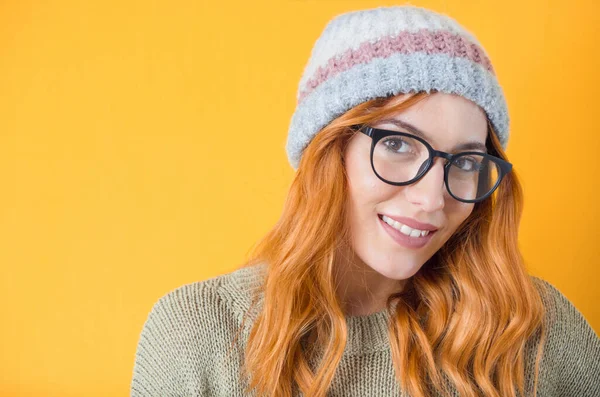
x=399, y=158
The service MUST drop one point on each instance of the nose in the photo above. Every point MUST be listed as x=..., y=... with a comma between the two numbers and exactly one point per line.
x=428, y=192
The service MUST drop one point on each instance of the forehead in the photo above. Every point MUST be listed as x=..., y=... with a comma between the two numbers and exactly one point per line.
x=447, y=120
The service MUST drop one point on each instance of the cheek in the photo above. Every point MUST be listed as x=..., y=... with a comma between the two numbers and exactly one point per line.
x=367, y=193
x=457, y=213
x=363, y=185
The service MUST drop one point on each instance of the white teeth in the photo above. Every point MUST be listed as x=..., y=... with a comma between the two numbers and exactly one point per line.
x=405, y=229
x=402, y=228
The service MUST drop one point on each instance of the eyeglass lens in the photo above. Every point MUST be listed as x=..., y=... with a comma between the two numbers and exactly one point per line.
x=399, y=158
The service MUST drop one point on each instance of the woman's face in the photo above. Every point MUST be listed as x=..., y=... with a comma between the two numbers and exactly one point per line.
x=447, y=121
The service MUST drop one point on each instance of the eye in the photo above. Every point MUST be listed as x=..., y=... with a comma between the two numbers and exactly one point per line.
x=396, y=145
x=468, y=164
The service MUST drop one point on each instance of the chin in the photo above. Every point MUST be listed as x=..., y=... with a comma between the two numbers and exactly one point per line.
x=399, y=271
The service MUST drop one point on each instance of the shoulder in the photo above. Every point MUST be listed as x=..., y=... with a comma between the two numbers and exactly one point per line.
x=188, y=328
x=572, y=347
x=559, y=309
x=210, y=299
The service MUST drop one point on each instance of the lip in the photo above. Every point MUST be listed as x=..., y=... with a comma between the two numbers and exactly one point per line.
x=412, y=223
x=404, y=240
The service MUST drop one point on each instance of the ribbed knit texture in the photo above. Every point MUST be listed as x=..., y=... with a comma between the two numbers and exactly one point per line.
x=183, y=344
x=373, y=53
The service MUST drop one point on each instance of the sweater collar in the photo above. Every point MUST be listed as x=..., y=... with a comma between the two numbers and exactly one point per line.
x=368, y=333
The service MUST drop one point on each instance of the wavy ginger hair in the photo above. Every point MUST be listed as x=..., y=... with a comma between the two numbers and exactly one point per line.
x=465, y=316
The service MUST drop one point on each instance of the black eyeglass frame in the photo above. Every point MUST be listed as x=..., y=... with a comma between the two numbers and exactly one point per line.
x=377, y=134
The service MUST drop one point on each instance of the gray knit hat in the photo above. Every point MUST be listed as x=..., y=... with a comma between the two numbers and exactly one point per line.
x=384, y=51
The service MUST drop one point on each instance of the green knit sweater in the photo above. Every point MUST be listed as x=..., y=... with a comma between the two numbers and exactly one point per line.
x=183, y=344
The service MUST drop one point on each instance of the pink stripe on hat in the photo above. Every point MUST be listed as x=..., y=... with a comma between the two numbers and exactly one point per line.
x=424, y=40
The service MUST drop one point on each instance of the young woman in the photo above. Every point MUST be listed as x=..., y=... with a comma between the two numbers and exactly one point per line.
x=395, y=268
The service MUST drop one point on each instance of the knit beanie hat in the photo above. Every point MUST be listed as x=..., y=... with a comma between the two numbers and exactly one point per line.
x=385, y=51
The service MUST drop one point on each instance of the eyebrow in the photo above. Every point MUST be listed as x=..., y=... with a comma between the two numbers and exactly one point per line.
x=473, y=145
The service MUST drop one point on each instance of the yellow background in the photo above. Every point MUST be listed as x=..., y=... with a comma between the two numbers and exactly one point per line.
x=142, y=148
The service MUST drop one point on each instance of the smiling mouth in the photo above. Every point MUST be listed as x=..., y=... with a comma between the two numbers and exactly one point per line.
x=405, y=229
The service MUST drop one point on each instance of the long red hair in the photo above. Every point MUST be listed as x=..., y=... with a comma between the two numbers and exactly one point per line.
x=463, y=318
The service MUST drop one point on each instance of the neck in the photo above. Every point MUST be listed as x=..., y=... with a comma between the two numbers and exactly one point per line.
x=361, y=289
